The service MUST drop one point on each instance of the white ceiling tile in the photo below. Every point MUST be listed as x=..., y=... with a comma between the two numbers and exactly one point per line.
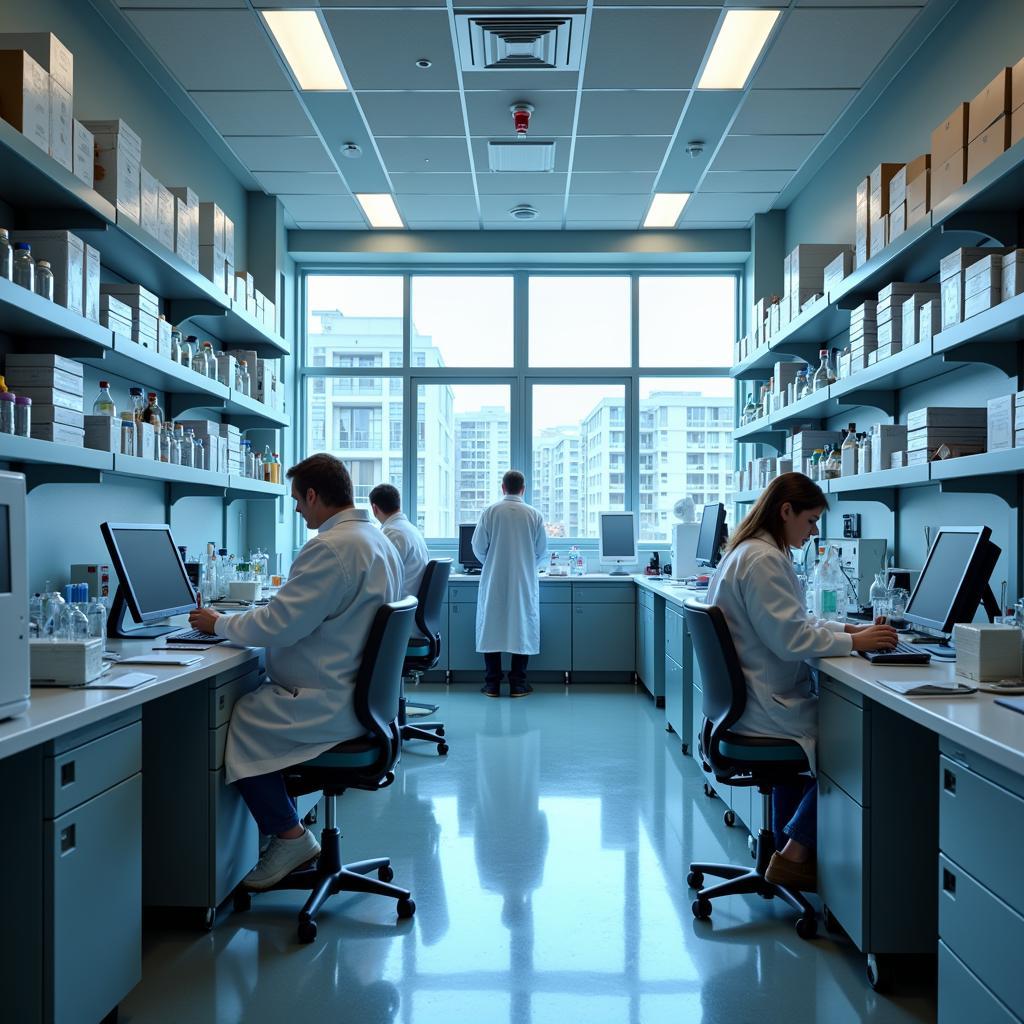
x=523, y=82
x=734, y=207
x=790, y=111
x=280, y=154
x=632, y=112
x=602, y=183
x=647, y=49
x=764, y=152
x=490, y=112
x=633, y=153
x=254, y=113
x=306, y=183
x=523, y=225
x=745, y=181
x=832, y=48
x=602, y=225
x=607, y=207
x=438, y=208
x=509, y=182
x=495, y=208
x=380, y=48
x=432, y=184
x=212, y=50
x=409, y=114
x=332, y=208
x=706, y=119
x=424, y=154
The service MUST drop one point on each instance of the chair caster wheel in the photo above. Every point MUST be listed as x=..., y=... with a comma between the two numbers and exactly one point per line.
x=406, y=908
x=242, y=900
x=442, y=749
x=806, y=927
x=695, y=880
x=209, y=918
x=878, y=973
x=709, y=791
x=701, y=908
x=386, y=873
x=729, y=817
x=307, y=931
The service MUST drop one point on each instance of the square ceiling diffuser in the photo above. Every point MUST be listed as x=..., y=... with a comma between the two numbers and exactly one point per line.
x=520, y=155
x=516, y=42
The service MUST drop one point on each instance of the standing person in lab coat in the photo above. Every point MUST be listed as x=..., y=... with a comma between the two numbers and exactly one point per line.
x=757, y=589
x=386, y=506
x=511, y=542
x=314, y=631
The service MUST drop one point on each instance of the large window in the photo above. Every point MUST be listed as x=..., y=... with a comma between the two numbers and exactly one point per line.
x=602, y=405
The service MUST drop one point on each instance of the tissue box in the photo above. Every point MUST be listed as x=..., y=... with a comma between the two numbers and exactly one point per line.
x=73, y=663
x=987, y=652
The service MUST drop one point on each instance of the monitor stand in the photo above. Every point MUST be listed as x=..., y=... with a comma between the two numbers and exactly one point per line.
x=120, y=612
x=619, y=571
x=470, y=571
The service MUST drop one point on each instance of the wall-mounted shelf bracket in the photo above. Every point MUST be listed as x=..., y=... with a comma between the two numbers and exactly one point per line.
x=178, y=405
x=998, y=354
x=999, y=226
x=882, y=495
x=41, y=474
x=184, y=309
x=178, y=491
x=1002, y=486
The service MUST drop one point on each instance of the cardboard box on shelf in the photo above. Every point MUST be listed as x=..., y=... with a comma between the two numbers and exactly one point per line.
x=149, y=203
x=887, y=438
x=229, y=240
x=1001, y=422
x=981, y=301
x=117, y=165
x=165, y=216
x=862, y=236
x=103, y=433
x=42, y=413
x=879, y=236
x=948, y=176
x=929, y=320
x=25, y=96
x=82, y=153
x=967, y=417
x=270, y=316
x=983, y=273
x=163, y=337
x=1012, y=276
x=897, y=222
x=145, y=439
x=211, y=226
x=66, y=254
x=990, y=104
x=42, y=360
x=186, y=224
x=988, y=145
x=880, y=178
x=48, y=52
x=58, y=433
x=249, y=284
x=51, y=396
x=19, y=377
x=62, y=127
x=133, y=295
x=838, y=269
x=115, y=306
x=212, y=264
x=950, y=135
x=960, y=259
x=226, y=369
x=889, y=333
x=900, y=183
x=890, y=348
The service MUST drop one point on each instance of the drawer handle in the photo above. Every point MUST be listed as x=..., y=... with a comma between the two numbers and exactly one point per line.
x=949, y=781
x=67, y=839
x=220, y=702
x=949, y=882
x=959, y=758
x=67, y=773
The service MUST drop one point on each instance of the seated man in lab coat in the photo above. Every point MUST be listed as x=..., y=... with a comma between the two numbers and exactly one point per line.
x=386, y=505
x=511, y=542
x=314, y=631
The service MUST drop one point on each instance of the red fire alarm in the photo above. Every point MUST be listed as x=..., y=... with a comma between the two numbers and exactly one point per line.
x=521, y=118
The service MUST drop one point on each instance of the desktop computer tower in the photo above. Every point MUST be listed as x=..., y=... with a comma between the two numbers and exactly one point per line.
x=684, y=549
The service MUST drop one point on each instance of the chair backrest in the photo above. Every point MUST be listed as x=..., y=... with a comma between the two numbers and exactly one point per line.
x=433, y=586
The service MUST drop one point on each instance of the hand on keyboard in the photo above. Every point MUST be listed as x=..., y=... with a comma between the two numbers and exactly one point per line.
x=877, y=637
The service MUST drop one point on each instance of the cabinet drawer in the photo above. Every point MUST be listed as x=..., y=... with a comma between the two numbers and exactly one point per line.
x=83, y=772
x=842, y=871
x=604, y=593
x=962, y=997
x=556, y=593
x=218, y=742
x=981, y=826
x=674, y=636
x=222, y=700
x=841, y=747
x=644, y=598
x=464, y=592
x=982, y=931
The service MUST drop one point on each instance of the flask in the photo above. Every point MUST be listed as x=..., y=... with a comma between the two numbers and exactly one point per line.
x=878, y=596
x=6, y=255
x=44, y=280
x=24, y=267
x=821, y=374
x=127, y=433
x=104, y=404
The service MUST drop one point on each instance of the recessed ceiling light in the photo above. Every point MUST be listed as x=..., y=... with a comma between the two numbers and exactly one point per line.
x=523, y=212
x=380, y=209
x=303, y=43
x=738, y=45
x=665, y=209
x=424, y=63
x=350, y=151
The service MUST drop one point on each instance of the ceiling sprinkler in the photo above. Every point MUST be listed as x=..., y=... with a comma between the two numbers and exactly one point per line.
x=521, y=118
x=695, y=148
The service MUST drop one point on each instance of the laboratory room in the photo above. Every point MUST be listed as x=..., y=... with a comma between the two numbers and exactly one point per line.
x=511, y=512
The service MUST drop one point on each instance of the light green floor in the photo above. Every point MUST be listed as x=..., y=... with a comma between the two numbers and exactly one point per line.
x=547, y=856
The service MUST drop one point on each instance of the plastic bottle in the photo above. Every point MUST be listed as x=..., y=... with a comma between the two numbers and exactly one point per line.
x=104, y=404
x=822, y=373
x=848, y=452
x=864, y=454
x=173, y=445
x=188, y=448
x=23, y=415
x=127, y=433
x=185, y=350
x=74, y=624
x=44, y=280
x=7, y=412
x=96, y=614
x=878, y=595
x=136, y=404
x=200, y=453
x=6, y=255
x=245, y=382
x=175, y=345
x=24, y=267
x=211, y=359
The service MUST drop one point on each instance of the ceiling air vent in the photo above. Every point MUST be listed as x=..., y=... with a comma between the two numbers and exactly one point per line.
x=517, y=42
x=520, y=155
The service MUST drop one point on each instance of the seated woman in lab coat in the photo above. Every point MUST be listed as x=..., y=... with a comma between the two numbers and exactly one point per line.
x=757, y=589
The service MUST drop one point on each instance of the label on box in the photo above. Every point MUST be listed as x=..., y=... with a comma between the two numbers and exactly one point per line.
x=82, y=158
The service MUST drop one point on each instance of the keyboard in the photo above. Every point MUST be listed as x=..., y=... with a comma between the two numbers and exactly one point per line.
x=195, y=636
x=901, y=654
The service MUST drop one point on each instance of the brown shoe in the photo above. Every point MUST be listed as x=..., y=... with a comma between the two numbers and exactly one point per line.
x=793, y=875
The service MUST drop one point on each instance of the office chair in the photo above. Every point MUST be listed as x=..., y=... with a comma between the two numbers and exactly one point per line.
x=739, y=761
x=423, y=651
x=364, y=763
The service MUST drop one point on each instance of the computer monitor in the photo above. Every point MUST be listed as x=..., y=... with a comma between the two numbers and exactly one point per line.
x=617, y=540
x=711, y=538
x=152, y=581
x=470, y=563
x=954, y=580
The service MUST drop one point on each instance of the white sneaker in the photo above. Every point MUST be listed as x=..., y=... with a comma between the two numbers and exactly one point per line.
x=281, y=857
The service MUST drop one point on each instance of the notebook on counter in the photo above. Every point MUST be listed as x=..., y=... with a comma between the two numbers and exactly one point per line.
x=930, y=688
x=1013, y=703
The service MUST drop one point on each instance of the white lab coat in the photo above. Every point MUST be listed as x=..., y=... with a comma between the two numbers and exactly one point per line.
x=511, y=542
x=314, y=631
x=412, y=549
x=761, y=598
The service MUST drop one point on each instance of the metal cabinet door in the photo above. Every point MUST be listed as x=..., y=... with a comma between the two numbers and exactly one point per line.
x=962, y=997
x=603, y=637
x=235, y=836
x=843, y=873
x=674, y=698
x=641, y=641
x=93, y=905
x=462, y=655
x=555, y=639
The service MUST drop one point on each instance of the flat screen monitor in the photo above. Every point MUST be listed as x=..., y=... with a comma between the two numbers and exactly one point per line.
x=617, y=540
x=153, y=581
x=470, y=563
x=954, y=580
x=711, y=538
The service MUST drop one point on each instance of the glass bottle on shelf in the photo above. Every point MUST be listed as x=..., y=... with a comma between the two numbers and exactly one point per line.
x=6, y=255
x=136, y=405
x=833, y=466
x=822, y=375
x=24, y=267
x=268, y=464
x=199, y=455
x=152, y=412
x=185, y=351
x=127, y=433
x=250, y=460
x=257, y=465
x=244, y=381
x=104, y=404
x=749, y=410
x=44, y=280
x=6, y=412
x=175, y=345
x=188, y=447
x=211, y=359
x=864, y=454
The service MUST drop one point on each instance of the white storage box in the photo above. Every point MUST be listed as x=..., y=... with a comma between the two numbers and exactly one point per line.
x=48, y=51
x=62, y=127
x=186, y=224
x=82, y=153
x=1012, y=276
x=149, y=203
x=66, y=255
x=134, y=296
x=886, y=438
x=91, y=283
x=58, y=433
x=55, y=414
x=50, y=396
x=118, y=163
x=19, y=377
x=25, y=96
x=944, y=416
x=987, y=652
x=1001, y=417
x=145, y=440
x=69, y=662
x=42, y=360
x=103, y=433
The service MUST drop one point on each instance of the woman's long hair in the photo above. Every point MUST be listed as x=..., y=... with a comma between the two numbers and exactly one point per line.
x=799, y=491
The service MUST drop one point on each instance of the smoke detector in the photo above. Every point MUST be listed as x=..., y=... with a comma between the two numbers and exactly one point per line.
x=521, y=113
x=350, y=151
x=523, y=212
x=695, y=149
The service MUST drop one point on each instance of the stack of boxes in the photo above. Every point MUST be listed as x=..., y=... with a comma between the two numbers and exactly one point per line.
x=143, y=309
x=949, y=155
x=945, y=433
x=908, y=195
x=880, y=178
x=157, y=209
x=863, y=334
x=25, y=96
x=66, y=255
x=56, y=387
x=806, y=441
x=951, y=282
x=217, y=247
x=117, y=166
x=1013, y=274
x=983, y=285
x=917, y=314
x=186, y=224
x=841, y=267
x=890, y=316
x=783, y=376
x=989, y=122
x=83, y=154
x=232, y=449
x=804, y=274
x=888, y=443
x=116, y=315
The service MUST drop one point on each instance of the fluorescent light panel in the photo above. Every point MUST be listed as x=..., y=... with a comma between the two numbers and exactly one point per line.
x=380, y=209
x=304, y=45
x=740, y=42
x=665, y=209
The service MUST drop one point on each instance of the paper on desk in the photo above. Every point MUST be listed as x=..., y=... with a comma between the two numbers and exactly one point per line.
x=122, y=681
x=926, y=688
x=161, y=658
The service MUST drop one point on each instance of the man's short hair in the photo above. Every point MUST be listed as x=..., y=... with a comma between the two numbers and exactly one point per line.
x=514, y=482
x=327, y=476
x=386, y=498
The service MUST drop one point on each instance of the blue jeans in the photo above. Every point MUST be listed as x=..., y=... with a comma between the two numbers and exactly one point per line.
x=795, y=813
x=268, y=801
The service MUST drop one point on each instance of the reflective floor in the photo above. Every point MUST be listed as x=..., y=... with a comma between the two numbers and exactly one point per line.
x=547, y=856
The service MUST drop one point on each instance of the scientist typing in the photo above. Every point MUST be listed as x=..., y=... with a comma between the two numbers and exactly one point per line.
x=314, y=631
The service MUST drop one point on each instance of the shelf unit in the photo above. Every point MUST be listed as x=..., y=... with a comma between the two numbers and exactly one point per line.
x=23, y=314
x=746, y=497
